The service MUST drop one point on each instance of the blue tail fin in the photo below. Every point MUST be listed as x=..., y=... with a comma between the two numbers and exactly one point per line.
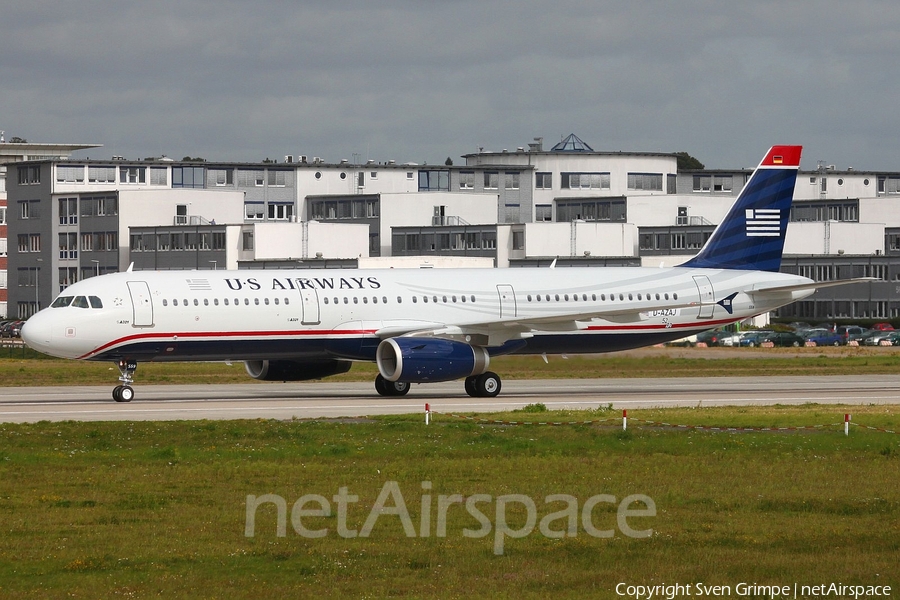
x=751, y=237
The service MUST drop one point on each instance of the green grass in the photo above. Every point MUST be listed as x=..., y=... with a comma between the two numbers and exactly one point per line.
x=33, y=369
x=158, y=509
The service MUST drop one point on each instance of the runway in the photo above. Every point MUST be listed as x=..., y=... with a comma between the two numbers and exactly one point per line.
x=332, y=400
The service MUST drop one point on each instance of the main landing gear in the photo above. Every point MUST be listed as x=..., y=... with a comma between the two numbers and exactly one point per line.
x=390, y=388
x=124, y=392
x=486, y=385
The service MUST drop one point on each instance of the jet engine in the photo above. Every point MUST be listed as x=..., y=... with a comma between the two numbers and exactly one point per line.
x=294, y=370
x=417, y=360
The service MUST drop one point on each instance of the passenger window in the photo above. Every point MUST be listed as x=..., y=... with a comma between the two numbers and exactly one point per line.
x=216, y=301
x=266, y=301
x=80, y=302
x=165, y=302
x=174, y=301
x=206, y=302
x=256, y=301
x=196, y=302
x=276, y=301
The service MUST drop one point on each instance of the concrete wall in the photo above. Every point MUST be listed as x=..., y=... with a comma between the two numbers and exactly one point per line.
x=833, y=237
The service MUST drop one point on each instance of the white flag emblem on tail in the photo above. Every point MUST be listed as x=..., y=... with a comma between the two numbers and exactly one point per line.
x=763, y=222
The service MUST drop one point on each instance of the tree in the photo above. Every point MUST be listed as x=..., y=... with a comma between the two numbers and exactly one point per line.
x=686, y=162
x=17, y=140
x=449, y=162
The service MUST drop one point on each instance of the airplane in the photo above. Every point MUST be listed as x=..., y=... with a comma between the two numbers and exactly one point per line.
x=429, y=325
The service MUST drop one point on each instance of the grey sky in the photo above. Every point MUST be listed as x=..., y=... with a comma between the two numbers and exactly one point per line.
x=421, y=81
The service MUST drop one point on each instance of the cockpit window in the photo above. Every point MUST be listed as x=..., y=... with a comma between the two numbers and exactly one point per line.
x=80, y=302
x=62, y=301
x=95, y=302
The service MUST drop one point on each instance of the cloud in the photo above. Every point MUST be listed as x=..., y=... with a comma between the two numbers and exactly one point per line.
x=416, y=81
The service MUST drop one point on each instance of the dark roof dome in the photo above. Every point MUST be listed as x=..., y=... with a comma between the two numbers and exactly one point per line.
x=572, y=144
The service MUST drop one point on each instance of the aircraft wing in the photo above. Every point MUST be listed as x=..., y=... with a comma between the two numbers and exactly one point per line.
x=496, y=332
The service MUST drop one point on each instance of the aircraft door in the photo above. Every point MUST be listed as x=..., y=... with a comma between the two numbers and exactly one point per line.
x=507, y=301
x=707, y=296
x=309, y=299
x=141, y=303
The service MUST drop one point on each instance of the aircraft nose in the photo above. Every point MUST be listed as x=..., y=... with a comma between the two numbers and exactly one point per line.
x=36, y=332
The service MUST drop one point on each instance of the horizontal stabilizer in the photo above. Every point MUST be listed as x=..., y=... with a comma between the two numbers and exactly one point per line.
x=800, y=287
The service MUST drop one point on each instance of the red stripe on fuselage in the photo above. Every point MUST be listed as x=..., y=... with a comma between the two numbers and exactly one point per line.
x=363, y=332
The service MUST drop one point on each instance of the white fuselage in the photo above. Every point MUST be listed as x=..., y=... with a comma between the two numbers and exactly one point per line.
x=249, y=315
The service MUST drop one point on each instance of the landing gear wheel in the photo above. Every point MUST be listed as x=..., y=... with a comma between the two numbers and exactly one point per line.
x=471, y=385
x=390, y=388
x=487, y=385
x=123, y=393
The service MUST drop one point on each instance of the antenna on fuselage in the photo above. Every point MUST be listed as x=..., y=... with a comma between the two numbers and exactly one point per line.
x=130, y=268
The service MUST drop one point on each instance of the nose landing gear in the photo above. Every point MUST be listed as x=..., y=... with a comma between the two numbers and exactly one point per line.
x=124, y=392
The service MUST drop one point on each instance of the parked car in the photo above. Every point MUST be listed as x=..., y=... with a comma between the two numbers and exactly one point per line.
x=875, y=337
x=852, y=333
x=732, y=339
x=11, y=329
x=750, y=339
x=782, y=338
x=883, y=327
x=711, y=337
x=823, y=337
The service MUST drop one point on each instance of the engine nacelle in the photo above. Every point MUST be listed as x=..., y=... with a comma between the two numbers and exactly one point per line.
x=417, y=360
x=294, y=370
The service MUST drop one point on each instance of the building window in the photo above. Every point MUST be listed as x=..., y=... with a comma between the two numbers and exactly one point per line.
x=590, y=210
x=543, y=181
x=434, y=181
x=491, y=180
x=188, y=177
x=702, y=183
x=678, y=241
x=68, y=211
x=67, y=276
x=278, y=178
x=30, y=209
x=69, y=173
x=159, y=176
x=101, y=174
x=722, y=183
x=511, y=181
x=29, y=242
x=518, y=240
x=99, y=206
x=68, y=245
x=218, y=240
x=585, y=181
x=281, y=212
x=132, y=174
x=467, y=180
x=30, y=175
x=255, y=211
x=247, y=240
x=221, y=177
x=250, y=177
x=645, y=181
x=87, y=242
x=543, y=212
